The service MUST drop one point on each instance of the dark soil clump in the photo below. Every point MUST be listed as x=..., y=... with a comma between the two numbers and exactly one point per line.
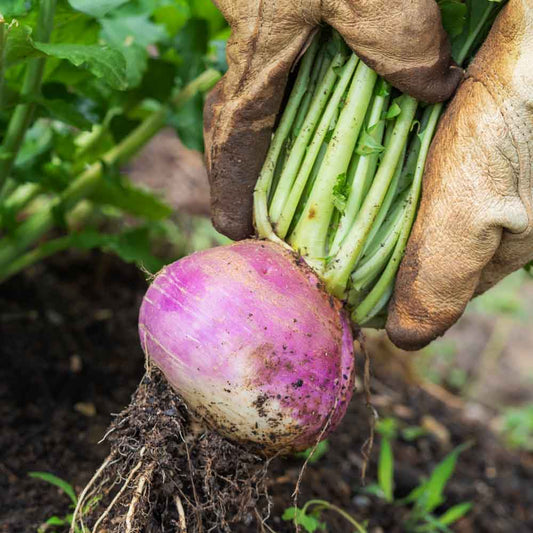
x=166, y=472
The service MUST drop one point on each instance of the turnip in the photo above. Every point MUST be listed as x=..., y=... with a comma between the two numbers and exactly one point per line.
x=254, y=339
x=250, y=339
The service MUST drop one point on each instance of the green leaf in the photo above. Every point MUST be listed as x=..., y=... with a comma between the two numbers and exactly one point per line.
x=188, y=123
x=317, y=452
x=367, y=145
x=386, y=470
x=434, y=487
x=453, y=13
x=56, y=521
x=374, y=489
x=18, y=44
x=172, y=16
x=37, y=141
x=133, y=245
x=412, y=433
x=65, y=112
x=103, y=62
x=289, y=513
x=216, y=54
x=58, y=482
x=134, y=29
x=139, y=202
x=393, y=111
x=432, y=524
x=308, y=522
x=455, y=513
x=14, y=8
x=382, y=88
x=479, y=18
x=206, y=10
x=387, y=427
x=132, y=35
x=96, y=8
x=340, y=193
x=415, y=495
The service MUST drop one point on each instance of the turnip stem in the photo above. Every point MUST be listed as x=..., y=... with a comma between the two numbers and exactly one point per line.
x=343, y=263
x=264, y=182
x=310, y=234
x=290, y=170
x=369, y=307
x=291, y=203
x=387, y=202
x=363, y=169
x=318, y=71
x=381, y=250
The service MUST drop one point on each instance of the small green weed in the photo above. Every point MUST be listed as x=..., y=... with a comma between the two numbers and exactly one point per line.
x=69, y=491
x=517, y=427
x=309, y=516
x=316, y=453
x=427, y=496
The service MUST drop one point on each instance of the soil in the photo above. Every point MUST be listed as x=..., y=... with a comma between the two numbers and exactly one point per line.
x=71, y=359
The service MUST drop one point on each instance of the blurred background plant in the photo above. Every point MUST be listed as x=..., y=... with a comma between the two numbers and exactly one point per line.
x=85, y=85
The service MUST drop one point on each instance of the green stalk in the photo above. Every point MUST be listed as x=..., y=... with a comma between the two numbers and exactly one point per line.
x=310, y=234
x=309, y=185
x=43, y=251
x=322, y=62
x=312, y=151
x=387, y=202
x=342, y=264
x=380, y=251
x=379, y=295
x=298, y=148
x=41, y=222
x=21, y=117
x=472, y=37
x=21, y=196
x=2, y=58
x=264, y=182
x=322, y=504
x=361, y=173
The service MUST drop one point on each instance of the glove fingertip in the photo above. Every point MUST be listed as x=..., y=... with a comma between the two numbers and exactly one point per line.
x=421, y=308
x=429, y=84
x=236, y=230
x=408, y=332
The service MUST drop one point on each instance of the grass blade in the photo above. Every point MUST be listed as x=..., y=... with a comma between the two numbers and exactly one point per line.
x=58, y=482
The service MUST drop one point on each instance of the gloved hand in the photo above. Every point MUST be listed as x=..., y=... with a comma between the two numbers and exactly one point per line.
x=402, y=40
x=475, y=223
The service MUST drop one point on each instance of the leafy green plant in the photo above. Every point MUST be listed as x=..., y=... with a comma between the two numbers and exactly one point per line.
x=84, y=85
x=69, y=491
x=517, y=427
x=309, y=516
x=428, y=495
x=315, y=454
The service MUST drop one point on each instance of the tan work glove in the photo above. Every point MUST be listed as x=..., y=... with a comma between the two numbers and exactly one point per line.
x=402, y=40
x=475, y=223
